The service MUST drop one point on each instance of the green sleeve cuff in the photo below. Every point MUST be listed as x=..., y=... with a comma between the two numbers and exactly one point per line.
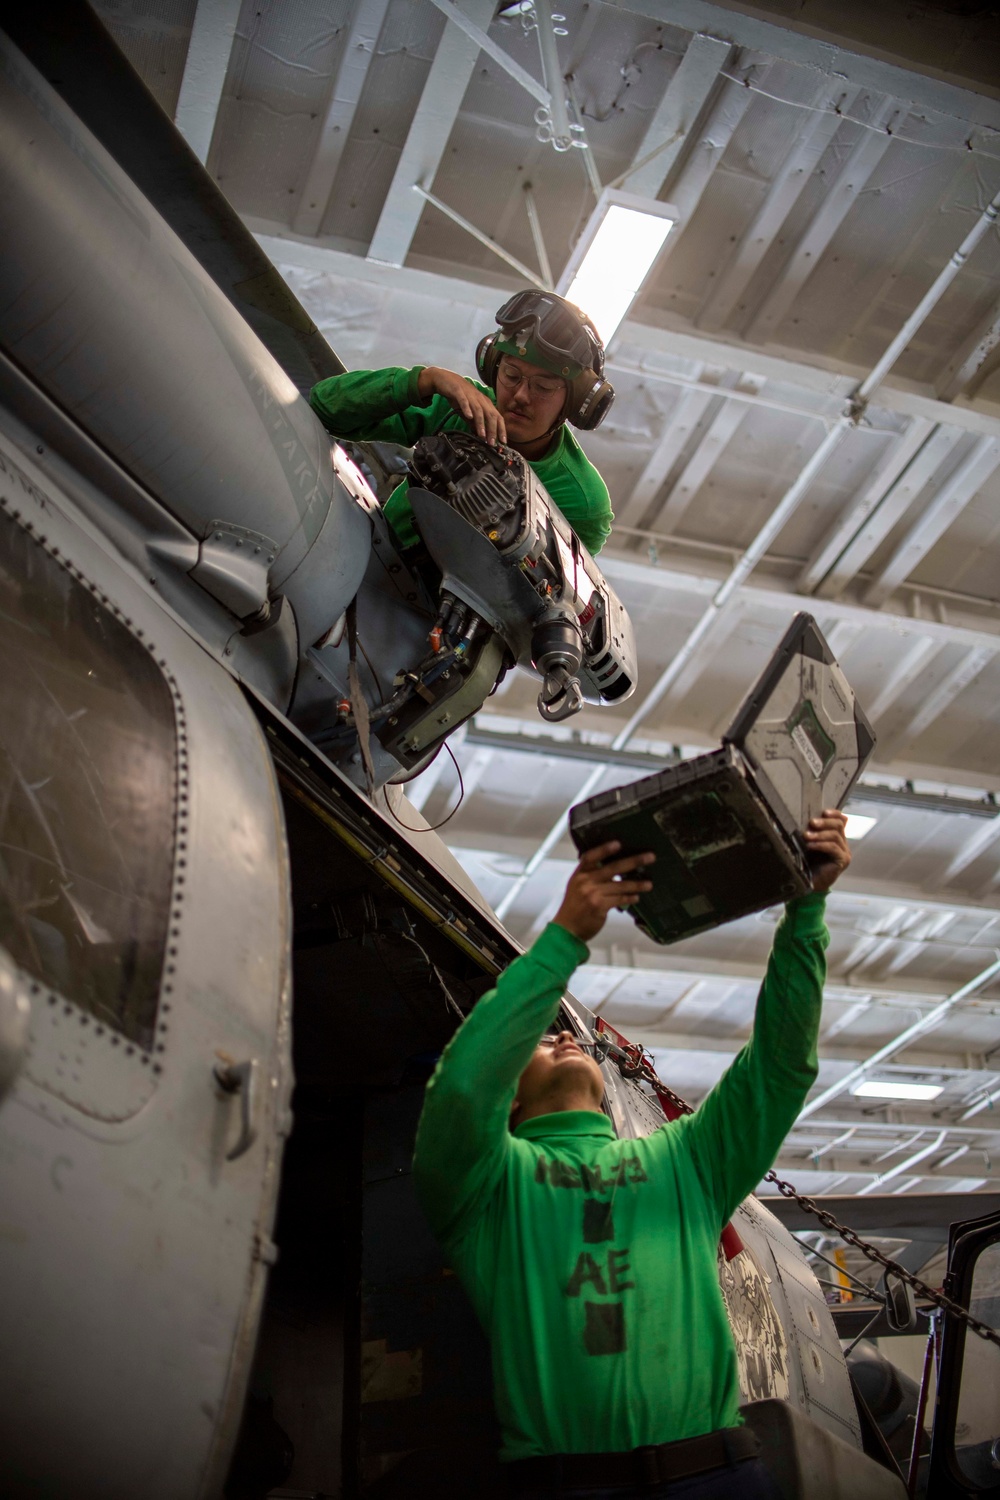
x=404, y=388
x=804, y=917
x=557, y=947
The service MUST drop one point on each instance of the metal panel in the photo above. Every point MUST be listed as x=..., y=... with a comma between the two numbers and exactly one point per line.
x=169, y=1236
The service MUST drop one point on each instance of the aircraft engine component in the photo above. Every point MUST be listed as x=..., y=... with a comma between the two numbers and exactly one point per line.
x=510, y=584
x=505, y=549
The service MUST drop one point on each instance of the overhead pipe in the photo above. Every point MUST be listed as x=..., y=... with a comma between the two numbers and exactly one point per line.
x=852, y=415
x=562, y=134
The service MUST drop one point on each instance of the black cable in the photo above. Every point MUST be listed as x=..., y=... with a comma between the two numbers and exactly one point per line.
x=871, y=1321
x=435, y=826
x=424, y=766
x=378, y=685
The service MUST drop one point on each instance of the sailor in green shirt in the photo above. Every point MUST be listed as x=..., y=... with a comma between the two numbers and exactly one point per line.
x=591, y=1261
x=542, y=368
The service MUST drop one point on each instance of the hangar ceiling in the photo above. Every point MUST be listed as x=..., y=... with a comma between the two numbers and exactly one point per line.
x=825, y=162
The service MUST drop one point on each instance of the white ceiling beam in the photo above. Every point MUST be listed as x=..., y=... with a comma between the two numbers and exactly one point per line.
x=905, y=1166
x=905, y=1118
x=944, y=695
x=843, y=1165
x=888, y=511
x=431, y=127
x=205, y=69
x=789, y=182
x=607, y=977
x=986, y=1102
x=702, y=461
x=927, y=1022
x=345, y=91
x=949, y=502
x=687, y=413
x=976, y=844
x=959, y=375
x=833, y=380
x=829, y=56
x=840, y=198
x=903, y=397
x=658, y=1038
x=856, y=512
x=486, y=44
x=677, y=114
x=912, y=666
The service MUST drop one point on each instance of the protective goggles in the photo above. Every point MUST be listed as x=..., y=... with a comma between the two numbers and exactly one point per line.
x=557, y=329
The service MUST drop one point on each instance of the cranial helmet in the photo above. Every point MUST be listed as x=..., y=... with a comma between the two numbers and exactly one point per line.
x=550, y=332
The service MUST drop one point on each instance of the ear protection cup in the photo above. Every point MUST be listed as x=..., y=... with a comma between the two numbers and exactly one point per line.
x=488, y=358
x=590, y=399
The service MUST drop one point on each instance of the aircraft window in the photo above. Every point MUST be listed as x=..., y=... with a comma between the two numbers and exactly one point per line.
x=977, y=1426
x=87, y=766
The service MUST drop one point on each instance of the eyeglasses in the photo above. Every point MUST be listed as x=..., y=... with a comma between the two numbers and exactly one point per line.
x=511, y=378
x=590, y=1045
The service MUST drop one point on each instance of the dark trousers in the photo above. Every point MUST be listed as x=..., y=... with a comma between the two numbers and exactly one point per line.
x=744, y=1481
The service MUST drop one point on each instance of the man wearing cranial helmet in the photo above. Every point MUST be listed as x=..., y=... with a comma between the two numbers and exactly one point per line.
x=542, y=368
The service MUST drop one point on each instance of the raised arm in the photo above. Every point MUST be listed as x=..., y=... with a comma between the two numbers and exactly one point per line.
x=400, y=406
x=463, y=1136
x=736, y=1133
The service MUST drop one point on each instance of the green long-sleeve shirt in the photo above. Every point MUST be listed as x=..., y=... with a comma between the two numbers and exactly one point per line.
x=591, y=1261
x=382, y=405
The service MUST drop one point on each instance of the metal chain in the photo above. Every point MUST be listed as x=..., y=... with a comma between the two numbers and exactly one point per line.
x=641, y=1066
x=851, y=1236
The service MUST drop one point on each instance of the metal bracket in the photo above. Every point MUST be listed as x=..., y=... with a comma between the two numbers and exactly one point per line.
x=233, y=566
x=241, y=1078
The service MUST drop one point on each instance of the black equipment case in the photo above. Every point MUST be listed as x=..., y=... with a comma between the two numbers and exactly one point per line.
x=726, y=827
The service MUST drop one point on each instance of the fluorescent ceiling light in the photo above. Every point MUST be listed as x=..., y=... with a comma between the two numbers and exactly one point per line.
x=858, y=825
x=614, y=256
x=892, y=1088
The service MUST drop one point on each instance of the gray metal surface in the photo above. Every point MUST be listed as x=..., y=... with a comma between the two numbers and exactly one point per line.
x=162, y=373
x=73, y=49
x=167, y=377
x=807, y=1460
x=134, y=1254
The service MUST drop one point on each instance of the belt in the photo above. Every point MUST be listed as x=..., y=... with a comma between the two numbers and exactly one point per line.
x=659, y=1464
